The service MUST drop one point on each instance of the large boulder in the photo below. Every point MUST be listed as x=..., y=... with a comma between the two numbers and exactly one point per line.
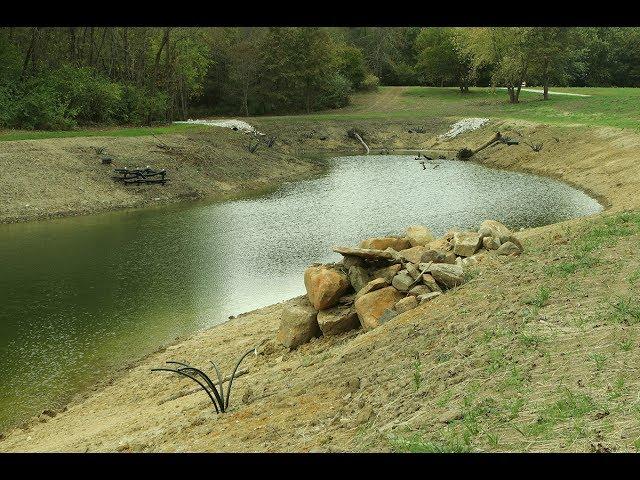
x=337, y=320
x=413, y=254
x=298, y=325
x=493, y=228
x=466, y=244
x=371, y=306
x=375, y=284
x=447, y=276
x=418, y=235
x=358, y=277
x=382, y=243
x=325, y=285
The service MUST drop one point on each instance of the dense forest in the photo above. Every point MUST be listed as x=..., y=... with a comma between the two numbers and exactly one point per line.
x=62, y=78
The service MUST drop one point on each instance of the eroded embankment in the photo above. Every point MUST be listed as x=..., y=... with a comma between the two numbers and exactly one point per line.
x=61, y=177
x=537, y=352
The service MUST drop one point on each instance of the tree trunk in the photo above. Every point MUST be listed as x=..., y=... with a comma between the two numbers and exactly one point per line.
x=165, y=40
x=545, y=81
x=512, y=95
x=29, y=54
x=517, y=99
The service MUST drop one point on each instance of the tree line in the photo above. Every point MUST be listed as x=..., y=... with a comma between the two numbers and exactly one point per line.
x=64, y=77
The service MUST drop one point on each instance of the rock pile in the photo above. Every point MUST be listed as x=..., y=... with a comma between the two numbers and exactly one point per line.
x=386, y=276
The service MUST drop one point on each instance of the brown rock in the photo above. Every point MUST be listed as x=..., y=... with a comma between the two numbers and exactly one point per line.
x=371, y=306
x=406, y=304
x=358, y=277
x=337, y=320
x=413, y=254
x=387, y=272
x=450, y=258
x=366, y=253
x=490, y=243
x=402, y=281
x=493, y=228
x=418, y=235
x=466, y=244
x=430, y=282
x=382, y=243
x=420, y=290
x=298, y=325
x=509, y=248
x=513, y=239
x=440, y=244
x=375, y=284
x=412, y=270
x=325, y=285
x=447, y=276
x=351, y=261
x=427, y=297
x=431, y=255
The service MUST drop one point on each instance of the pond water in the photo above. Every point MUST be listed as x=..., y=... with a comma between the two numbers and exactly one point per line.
x=82, y=295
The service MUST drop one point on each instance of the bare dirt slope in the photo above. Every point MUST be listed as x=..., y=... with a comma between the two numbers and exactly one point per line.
x=58, y=177
x=534, y=353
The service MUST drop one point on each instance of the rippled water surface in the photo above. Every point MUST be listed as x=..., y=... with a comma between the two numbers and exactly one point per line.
x=80, y=295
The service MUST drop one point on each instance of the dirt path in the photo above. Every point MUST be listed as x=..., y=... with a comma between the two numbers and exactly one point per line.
x=532, y=90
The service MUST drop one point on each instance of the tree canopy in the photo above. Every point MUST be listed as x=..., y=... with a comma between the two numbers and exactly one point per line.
x=64, y=77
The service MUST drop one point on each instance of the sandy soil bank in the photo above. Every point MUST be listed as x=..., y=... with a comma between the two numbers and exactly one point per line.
x=477, y=368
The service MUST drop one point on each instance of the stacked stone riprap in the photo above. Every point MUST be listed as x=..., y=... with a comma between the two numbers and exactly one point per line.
x=387, y=276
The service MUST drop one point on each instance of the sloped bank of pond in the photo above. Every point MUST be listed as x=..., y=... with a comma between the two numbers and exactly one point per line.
x=85, y=294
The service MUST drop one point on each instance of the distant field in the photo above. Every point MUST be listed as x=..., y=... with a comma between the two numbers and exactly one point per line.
x=615, y=107
x=612, y=107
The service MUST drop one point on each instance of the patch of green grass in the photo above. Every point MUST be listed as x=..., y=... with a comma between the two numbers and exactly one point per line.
x=540, y=299
x=417, y=375
x=626, y=345
x=9, y=135
x=600, y=360
x=612, y=107
x=569, y=406
x=618, y=388
x=416, y=444
x=445, y=399
x=496, y=360
x=626, y=310
x=604, y=233
x=532, y=340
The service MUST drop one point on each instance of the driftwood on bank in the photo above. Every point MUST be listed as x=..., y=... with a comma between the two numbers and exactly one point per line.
x=466, y=153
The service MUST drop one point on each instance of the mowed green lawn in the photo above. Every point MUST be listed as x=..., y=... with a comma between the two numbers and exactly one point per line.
x=612, y=107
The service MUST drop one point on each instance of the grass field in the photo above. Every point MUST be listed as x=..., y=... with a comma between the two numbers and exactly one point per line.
x=610, y=107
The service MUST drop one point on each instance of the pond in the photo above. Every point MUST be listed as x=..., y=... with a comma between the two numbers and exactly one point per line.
x=84, y=294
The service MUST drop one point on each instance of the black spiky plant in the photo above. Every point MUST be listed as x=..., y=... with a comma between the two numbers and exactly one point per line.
x=218, y=398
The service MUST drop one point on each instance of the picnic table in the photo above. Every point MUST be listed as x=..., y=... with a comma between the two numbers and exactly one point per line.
x=140, y=175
